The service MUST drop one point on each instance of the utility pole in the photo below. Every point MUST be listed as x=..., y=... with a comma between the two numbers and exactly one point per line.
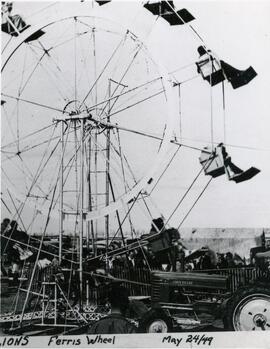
x=107, y=174
x=61, y=175
x=81, y=209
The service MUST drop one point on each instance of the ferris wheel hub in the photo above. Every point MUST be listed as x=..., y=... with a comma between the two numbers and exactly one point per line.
x=75, y=109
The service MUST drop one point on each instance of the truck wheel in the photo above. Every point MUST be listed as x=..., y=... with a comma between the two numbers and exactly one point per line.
x=155, y=321
x=249, y=309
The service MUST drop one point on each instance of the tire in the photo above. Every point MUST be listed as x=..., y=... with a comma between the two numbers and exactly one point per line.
x=155, y=321
x=249, y=309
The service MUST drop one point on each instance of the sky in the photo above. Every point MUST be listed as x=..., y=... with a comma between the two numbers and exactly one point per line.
x=239, y=33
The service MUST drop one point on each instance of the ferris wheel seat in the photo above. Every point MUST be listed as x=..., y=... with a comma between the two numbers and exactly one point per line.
x=159, y=8
x=178, y=18
x=205, y=68
x=217, y=162
x=154, y=8
x=14, y=21
x=212, y=163
x=35, y=36
x=209, y=67
x=243, y=78
x=102, y=2
x=236, y=77
x=245, y=175
x=215, y=78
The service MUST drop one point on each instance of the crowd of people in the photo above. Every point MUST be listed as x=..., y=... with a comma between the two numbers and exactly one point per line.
x=164, y=251
x=14, y=244
x=212, y=260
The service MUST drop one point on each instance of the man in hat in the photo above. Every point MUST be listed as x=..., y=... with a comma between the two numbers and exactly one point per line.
x=115, y=323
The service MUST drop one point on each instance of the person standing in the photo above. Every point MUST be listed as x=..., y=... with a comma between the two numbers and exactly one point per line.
x=115, y=323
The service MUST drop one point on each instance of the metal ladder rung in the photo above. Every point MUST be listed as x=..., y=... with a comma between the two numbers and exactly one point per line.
x=70, y=191
x=98, y=171
x=99, y=150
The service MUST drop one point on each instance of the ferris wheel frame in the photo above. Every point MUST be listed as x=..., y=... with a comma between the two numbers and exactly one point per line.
x=149, y=178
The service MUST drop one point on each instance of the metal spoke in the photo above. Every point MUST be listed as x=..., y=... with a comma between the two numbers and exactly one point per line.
x=34, y=103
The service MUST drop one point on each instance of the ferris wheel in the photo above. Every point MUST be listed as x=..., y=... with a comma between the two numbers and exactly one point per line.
x=88, y=114
x=87, y=125
x=87, y=117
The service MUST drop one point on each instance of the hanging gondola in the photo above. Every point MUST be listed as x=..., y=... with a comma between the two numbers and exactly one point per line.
x=217, y=162
x=166, y=10
x=215, y=70
x=15, y=25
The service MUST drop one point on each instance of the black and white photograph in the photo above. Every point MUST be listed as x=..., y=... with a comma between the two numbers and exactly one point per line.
x=135, y=174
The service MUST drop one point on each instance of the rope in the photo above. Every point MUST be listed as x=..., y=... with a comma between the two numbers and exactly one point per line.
x=9, y=125
x=185, y=81
x=70, y=162
x=102, y=71
x=13, y=218
x=180, y=111
x=183, y=197
x=140, y=46
x=224, y=112
x=28, y=148
x=7, y=43
x=34, y=103
x=142, y=100
x=124, y=93
x=207, y=184
x=84, y=69
x=41, y=10
x=37, y=258
x=116, y=99
x=124, y=74
x=143, y=252
x=25, y=137
x=75, y=60
x=160, y=214
x=96, y=132
x=166, y=168
x=124, y=177
x=211, y=106
x=35, y=214
x=189, y=25
x=182, y=67
x=67, y=40
x=189, y=188
x=23, y=203
x=185, y=145
x=158, y=233
x=52, y=75
x=40, y=169
x=133, y=203
x=17, y=212
x=5, y=205
x=31, y=74
x=114, y=252
x=116, y=279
